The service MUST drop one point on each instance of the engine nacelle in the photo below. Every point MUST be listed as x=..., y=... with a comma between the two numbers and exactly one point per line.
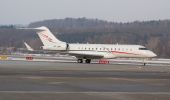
x=56, y=47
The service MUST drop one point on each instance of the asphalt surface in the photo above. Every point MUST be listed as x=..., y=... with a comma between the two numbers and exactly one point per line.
x=24, y=80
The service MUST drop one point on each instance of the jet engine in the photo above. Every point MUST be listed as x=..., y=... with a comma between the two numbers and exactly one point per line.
x=56, y=47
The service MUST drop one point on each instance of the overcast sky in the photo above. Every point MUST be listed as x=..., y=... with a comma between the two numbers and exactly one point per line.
x=26, y=11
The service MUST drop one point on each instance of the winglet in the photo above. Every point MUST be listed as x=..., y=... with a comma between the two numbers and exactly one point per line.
x=28, y=47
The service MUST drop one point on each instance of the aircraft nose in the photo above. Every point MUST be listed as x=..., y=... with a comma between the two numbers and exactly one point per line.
x=150, y=54
x=153, y=55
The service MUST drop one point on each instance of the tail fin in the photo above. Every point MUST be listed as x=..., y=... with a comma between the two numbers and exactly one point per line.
x=28, y=47
x=47, y=37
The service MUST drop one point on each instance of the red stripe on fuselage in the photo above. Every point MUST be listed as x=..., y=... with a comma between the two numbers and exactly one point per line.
x=123, y=52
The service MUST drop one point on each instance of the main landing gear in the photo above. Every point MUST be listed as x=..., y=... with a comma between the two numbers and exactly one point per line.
x=88, y=61
x=80, y=60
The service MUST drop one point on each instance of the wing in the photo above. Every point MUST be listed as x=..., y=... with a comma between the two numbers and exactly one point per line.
x=86, y=54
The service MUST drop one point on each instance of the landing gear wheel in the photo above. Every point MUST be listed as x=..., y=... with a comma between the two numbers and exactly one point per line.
x=88, y=61
x=80, y=60
x=144, y=64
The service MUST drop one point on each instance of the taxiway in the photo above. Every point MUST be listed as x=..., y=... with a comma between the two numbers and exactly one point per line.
x=27, y=80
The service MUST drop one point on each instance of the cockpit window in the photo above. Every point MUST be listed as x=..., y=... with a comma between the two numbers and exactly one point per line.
x=143, y=49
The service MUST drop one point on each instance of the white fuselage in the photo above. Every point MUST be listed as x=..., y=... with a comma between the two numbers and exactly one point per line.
x=111, y=51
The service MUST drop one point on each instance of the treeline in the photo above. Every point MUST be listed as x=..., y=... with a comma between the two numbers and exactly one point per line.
x=83, y=25
x=10, y=36
x=155, y=35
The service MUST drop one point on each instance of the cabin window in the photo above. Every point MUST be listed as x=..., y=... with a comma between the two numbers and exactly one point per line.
x=96, y=48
